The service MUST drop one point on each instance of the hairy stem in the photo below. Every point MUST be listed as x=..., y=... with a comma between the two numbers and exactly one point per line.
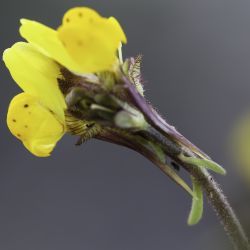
x=171, y=140
x=214, y=193
x=215, y=197
x=221, y=206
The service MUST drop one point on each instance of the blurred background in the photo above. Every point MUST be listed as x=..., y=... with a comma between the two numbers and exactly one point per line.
x=100, y=196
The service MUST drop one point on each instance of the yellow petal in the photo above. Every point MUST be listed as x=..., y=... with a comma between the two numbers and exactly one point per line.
x=46, y=39
x=79, y=13
x=36, y=74
x=88, y=17
x=89, y=47
x=35, y=125
x=118, y=29
x=91, y=40
x=85, y=43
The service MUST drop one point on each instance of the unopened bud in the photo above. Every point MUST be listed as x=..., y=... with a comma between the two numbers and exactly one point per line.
x=128, y=120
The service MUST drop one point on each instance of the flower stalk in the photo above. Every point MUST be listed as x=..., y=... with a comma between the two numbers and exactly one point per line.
x=126, y=118
x=142, y=129
x=213, y=192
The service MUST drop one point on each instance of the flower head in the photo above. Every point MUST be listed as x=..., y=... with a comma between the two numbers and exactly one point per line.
x=84, y=43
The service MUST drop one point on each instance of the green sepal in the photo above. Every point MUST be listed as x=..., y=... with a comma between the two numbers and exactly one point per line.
x=196, y=211
x=176, y=178
x=158, y=151
x=168, y=170
x=206, y=163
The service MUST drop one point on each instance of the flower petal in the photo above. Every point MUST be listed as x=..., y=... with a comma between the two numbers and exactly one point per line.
x=46, y=39
x=35, y=125
x=77, y=14
x=88, y=17
x=89, y=47
x=90, y=39
x=36, y=74
x=84, y=43
x=118, y=29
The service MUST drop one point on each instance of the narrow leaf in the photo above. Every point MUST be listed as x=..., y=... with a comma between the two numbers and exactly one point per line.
x=209, y=164
x=158, y=151
x=175, y=177
x=196, y=212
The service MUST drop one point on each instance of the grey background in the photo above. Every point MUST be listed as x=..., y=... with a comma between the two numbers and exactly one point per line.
x=101, y=196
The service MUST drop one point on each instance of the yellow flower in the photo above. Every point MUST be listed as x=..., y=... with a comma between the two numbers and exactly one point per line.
x=84, y=43
x=36, y=116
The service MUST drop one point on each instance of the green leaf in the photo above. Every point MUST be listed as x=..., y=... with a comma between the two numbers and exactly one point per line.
x=209, y=164
x=196, y=212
